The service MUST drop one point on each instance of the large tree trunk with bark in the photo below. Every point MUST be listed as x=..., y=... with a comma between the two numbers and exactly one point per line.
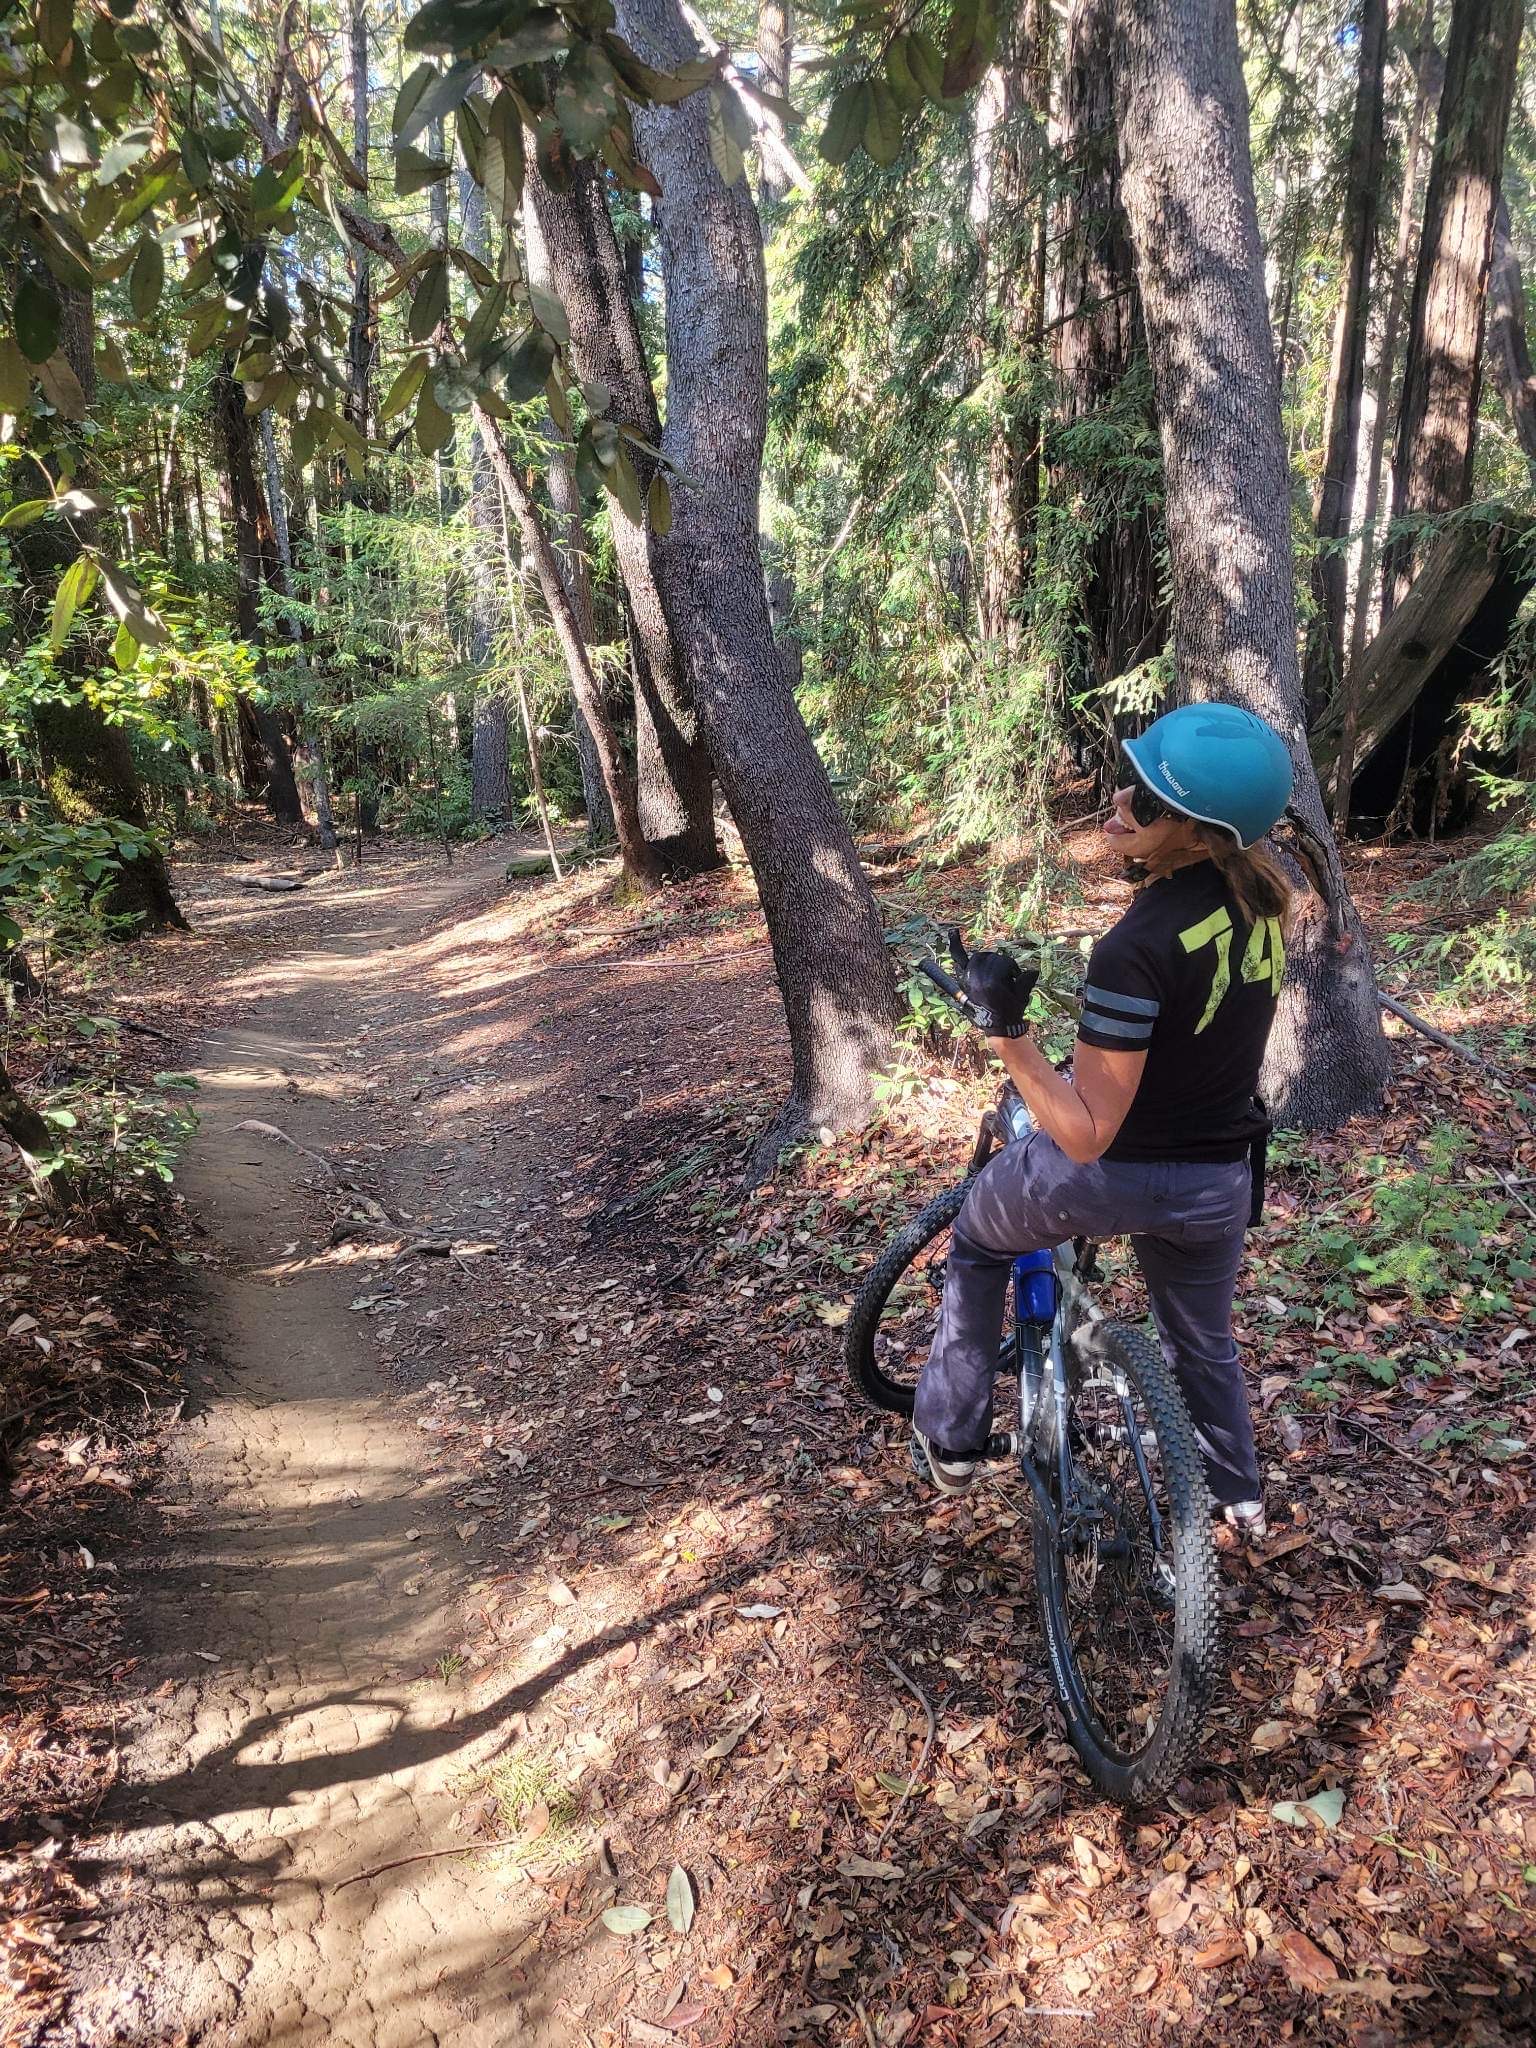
x=587, y=271
x=1346, y=382
x=1442, y=376
x=1188, y=184
x=87, y=763
x=829, y=948
x=314, y=756
x=255, y=564
x=1099, y=344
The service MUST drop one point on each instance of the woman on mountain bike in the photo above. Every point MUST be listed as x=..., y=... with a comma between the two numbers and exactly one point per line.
x=1151, y=1132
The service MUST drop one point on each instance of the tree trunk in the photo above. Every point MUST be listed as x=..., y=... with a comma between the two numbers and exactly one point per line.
x=775, y=61
x=1508, y=352
x=1346, y=383
x=87, y=764
x=490, y=776
x=255, y=564
x=1099, y=344
x=314, y=759
x=1426, y=68
x=36, y=1141
x=637, y=856
x=1442, y=375
x=829, y=948
x=1188, y=185
x=570, y=538
x=1015, y=266
x=587, y=271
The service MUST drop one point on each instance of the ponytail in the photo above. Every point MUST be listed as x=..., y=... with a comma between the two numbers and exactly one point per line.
x=1252, y=874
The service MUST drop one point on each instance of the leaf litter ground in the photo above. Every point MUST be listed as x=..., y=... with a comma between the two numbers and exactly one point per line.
x=730, y=1608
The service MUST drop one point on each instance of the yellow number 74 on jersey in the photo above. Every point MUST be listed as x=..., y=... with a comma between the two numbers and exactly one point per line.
x=1263, y=957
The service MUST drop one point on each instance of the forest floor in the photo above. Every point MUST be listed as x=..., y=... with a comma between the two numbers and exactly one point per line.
x=497, y=1624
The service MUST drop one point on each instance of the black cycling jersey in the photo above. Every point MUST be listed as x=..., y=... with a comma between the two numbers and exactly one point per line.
x=1185, y=977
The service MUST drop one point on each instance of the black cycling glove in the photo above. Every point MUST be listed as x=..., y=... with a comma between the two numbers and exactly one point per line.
x=997, y=989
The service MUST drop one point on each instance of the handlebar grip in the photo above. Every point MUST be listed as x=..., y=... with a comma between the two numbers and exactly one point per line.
x=942, y=981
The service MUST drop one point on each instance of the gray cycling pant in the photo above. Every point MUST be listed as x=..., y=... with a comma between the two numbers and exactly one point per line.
x=1185, y=1220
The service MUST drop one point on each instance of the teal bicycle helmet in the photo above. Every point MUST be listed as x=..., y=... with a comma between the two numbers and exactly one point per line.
x=1218, y=764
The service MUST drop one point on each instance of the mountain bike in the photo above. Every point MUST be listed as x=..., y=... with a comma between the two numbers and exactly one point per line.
x=1124, y=1564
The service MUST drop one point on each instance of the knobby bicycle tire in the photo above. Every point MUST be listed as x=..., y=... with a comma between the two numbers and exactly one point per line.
x=869, y=1382
x=1136, y=1778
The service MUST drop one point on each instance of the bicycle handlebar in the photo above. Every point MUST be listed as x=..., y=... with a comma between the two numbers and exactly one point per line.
x=944, y=983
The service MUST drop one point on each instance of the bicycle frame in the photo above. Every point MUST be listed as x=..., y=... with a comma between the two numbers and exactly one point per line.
x=1072, y=1307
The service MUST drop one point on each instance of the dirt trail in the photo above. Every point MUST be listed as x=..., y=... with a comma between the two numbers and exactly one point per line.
x=312, y=1595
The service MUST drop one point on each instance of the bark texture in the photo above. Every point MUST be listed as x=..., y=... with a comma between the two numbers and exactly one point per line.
x=1182, y=115
x=1098, y=345
x=829, y=948
x=1442, y=375
x=1346, y=382
x=587, y=272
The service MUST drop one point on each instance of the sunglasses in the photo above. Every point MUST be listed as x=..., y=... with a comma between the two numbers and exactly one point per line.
x=1146, y=808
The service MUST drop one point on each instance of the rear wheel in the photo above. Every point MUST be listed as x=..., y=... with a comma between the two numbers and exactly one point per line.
x=897, y=1309
x=1127, y=1580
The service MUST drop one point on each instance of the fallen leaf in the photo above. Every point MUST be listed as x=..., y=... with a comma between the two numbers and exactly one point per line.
x=1270, y=1736
x=1228, y=1947
x=760, y=1611
x=722, y=1977
x=624, y=1656
x=862, y=1866
x=1327, y=1808
x=536, y=1821
x=627, y=1919
x=1400, y=1592
x=1404, y=1944
x=1305, y=1965
x=559, y=1594
x=983, y=1822
x=724, y=1744
x=1143, y=1980
x=1166, y=1893
x=680, y=1899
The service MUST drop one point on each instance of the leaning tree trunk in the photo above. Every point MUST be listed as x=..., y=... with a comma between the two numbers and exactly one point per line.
x=828, y=945
x=1508, y=351
x=1442, y=376
x=490, y=760
x=1099, y=344
x=1188, y=185
x=587, y=271
x=254, y=542
x=570, y=538
x=1346, y=383
x=87, y=763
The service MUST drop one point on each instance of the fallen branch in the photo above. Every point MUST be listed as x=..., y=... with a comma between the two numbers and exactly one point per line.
x=427, y=1856
x=1376, y=1437
x=1417, y=1023
x=278, y=884
x=922, y=1763
x=252, y=1123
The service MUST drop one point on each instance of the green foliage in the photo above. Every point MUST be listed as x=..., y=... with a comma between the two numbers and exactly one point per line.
x=1430, y=1232
x=54, y=877
x=115, y=1137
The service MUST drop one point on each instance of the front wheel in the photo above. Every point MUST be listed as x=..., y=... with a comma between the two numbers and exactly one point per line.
x=1127, y=1579
x=893, y=1318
